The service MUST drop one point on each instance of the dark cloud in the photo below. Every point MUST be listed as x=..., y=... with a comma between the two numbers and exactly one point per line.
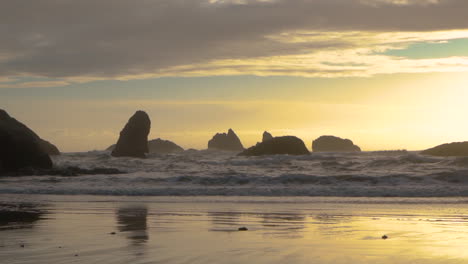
x=110, y=38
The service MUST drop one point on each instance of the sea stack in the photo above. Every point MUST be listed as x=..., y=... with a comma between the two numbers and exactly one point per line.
x=133, y=140
x=229, y=142
x=455, y=149
x=334, y=144
x=161, y=146
x=48, y=147
x=20, y=146
x=266, y=136
x=288, y=145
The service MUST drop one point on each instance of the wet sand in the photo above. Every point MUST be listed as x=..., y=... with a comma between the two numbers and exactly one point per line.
x=97, y=229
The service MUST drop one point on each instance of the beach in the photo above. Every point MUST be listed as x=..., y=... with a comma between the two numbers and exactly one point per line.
x=121, y=229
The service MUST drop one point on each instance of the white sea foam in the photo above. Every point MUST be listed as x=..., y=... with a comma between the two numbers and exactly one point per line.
x=201, y=173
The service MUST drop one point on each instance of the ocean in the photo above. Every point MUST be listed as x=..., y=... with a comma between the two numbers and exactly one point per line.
x=216, y=207
x=211, y=173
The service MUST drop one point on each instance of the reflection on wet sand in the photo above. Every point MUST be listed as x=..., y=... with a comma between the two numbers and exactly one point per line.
x=289, y=224
x=188, y=232
x=276, y=223
x=225, y=221
x=332, y=224
x=18, y=216
x=132, y=220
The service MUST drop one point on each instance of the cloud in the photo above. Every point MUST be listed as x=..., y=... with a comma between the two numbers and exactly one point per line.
x=119, y=39
x=37, y=84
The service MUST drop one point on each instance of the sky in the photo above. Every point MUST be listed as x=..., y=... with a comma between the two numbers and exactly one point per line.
x=388, y=74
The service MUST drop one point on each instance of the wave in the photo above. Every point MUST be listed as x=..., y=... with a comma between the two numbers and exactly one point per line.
x=201, y=173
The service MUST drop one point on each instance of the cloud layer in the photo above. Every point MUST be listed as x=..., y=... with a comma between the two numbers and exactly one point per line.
x=86, y=40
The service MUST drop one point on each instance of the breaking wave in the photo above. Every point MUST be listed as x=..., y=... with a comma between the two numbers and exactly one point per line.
x=202, y=173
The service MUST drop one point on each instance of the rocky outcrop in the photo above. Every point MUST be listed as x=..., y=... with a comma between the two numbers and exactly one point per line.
x=158, y=146
x=49, y=148
x=20, y=146
x=133, y=140
x=456, y=149
x=334, y=144
x=111, y=147
x=279, y=145
x=229, y=141
x=161, y=146
x=266, y=136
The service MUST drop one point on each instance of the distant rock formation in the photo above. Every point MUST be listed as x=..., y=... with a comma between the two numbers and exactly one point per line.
x=161, y=146
x=49, y=148
x=224, y=141
x=455, y=149
x=279, y=145
x=19, y=146
x=334, y=144
x=133, y=140
x=266, y=136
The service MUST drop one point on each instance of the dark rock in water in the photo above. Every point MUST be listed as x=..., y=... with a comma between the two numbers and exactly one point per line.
x=334, y=144
x=243, y=229
x=456, y=149
x=279, y=145
x=20, y=146
x=133, y=140
x=111, y=147
x=161, y=146
x=266, y=136
x=224, y=141
x=49, y=148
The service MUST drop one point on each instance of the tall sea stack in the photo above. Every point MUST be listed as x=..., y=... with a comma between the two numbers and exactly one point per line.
x=133, y=140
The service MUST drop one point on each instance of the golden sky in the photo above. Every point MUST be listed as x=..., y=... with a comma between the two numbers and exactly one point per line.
x=388, y=74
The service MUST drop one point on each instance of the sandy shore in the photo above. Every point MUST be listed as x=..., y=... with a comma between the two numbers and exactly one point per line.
x=96, y=229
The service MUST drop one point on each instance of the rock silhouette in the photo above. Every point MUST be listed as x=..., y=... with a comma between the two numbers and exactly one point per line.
x=133, y=140
x=266, y=136
x=229, y=141
x=20, y=146
x=446, y=150
x=161, y=146
x=111, y=147
x=334, y=144
x=279, y=145
x=48, y=147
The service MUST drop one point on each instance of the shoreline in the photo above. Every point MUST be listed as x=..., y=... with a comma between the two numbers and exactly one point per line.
x=7, y=197
x=91, y=229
